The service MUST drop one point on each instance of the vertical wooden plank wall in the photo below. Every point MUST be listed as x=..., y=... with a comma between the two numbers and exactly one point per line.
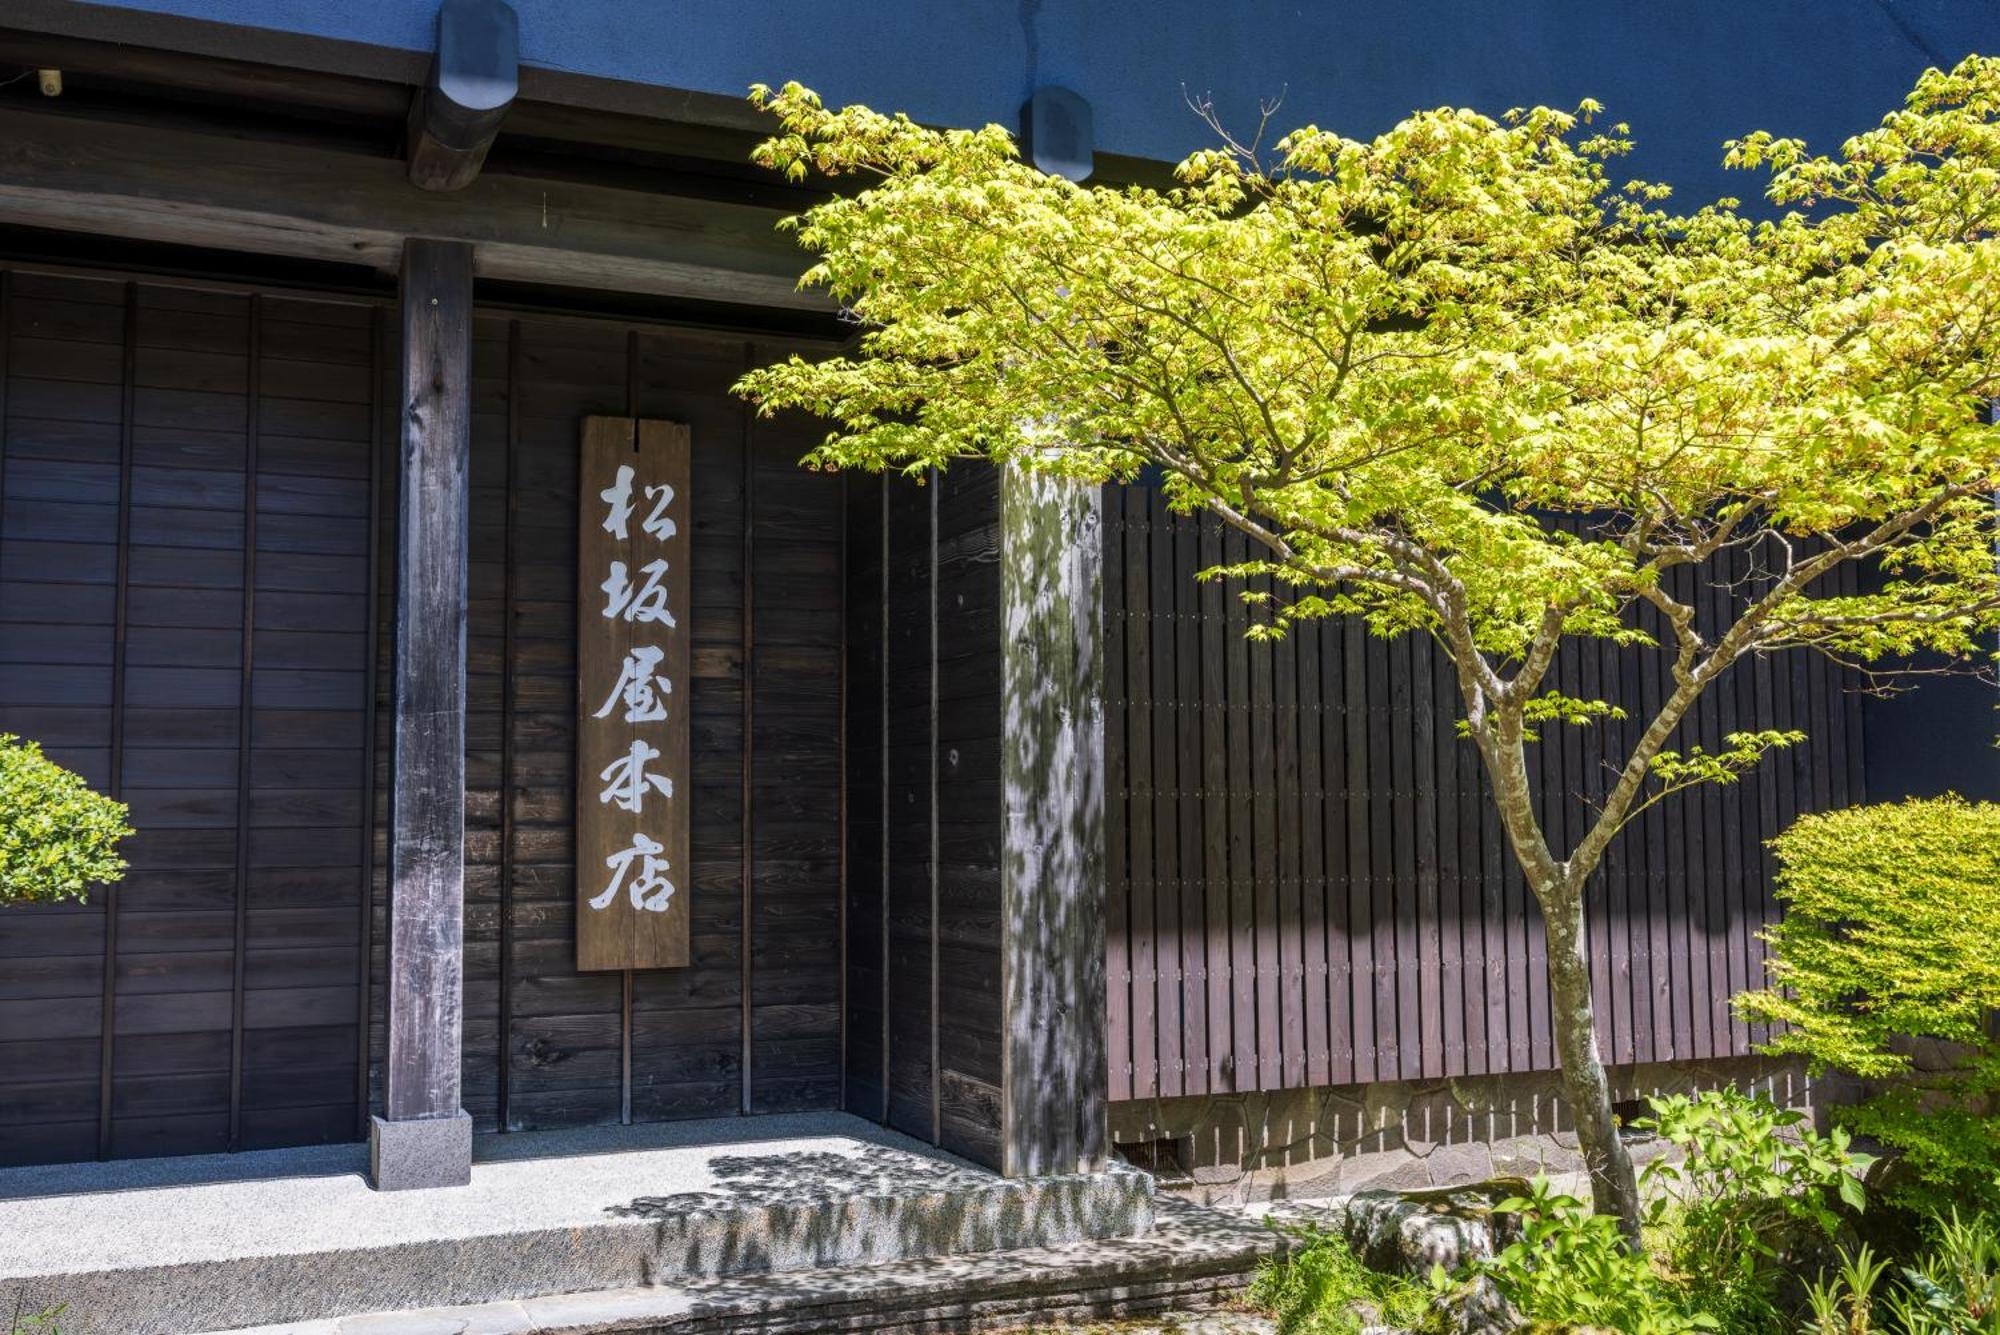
x=545, y=1045
x=1307, y=880
x=969, y=812
x=797, y=660
x=688, y=1027
x=925, y=811
x=911, y=781
x=1307, y=883
x=185, y=498
x=866, y=1050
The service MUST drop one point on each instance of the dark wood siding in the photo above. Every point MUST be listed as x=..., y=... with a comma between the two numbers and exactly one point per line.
x=795, y=865
x=911, y=784
x=1308, y=884
x=866, y=1051
x=181, y=462
x=924, y=721
x=754, y=1023
x=185, y=559
x=969, y=812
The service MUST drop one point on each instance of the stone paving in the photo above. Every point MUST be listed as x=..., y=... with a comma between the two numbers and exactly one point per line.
x=1235, y=1321
x=161, y=1248
x=1191, y=1261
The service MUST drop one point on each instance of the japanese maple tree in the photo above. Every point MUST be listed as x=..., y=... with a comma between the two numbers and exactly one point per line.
x=1457, y=381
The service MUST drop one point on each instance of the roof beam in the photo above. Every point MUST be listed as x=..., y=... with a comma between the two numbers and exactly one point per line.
x=456, y=116
x=193, y=187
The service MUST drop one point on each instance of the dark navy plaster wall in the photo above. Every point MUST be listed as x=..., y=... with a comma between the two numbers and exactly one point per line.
x=1686, y=73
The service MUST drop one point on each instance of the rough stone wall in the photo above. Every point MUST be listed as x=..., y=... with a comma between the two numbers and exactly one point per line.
x=1241, y=1148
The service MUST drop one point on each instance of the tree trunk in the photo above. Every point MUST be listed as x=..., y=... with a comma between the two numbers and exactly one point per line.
x=1614, y=1189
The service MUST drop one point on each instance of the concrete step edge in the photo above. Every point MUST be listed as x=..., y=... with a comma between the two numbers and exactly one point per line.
x=687, y=1243
x=1194, y=1258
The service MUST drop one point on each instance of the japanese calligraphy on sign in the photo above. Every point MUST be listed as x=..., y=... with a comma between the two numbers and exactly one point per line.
x=632, y=875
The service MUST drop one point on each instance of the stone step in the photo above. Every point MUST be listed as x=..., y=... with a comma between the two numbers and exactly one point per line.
x=1193, y=1260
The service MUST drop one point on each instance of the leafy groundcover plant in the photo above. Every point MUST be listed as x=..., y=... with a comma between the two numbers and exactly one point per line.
x=1571, y=1270
x=1890, y=944
x=24, y=1322
x=57, y=836
x=1322, y=1288
x=1754, y=1197
x=1952, y=1287
x=1750, y=1232
x=1753, y=1193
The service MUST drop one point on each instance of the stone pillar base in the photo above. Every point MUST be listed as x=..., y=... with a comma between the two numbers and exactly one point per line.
x=430, y=1152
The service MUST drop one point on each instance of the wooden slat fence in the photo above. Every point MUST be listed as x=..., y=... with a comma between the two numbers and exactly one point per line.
x=1308, y=881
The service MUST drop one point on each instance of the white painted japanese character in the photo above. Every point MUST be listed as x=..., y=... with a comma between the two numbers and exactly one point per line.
x=619, y=497
x=645, y=604
x=651, y=890
x=642, y=692
x=658, y=522
x=626, y=779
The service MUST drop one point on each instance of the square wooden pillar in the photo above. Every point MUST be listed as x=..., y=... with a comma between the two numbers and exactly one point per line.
x=1055, y=1078
x=425, y=1138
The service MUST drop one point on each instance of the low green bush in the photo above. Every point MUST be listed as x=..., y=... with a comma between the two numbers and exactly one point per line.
x=1322, y=1288
x=1951, y=1288
x=1753, y=1192
x=57, y=836
x=1749, y=1232
x=1892, y=915
x=1570, y=1269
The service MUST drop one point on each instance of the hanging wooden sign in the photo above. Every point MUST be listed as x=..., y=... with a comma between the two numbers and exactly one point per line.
x=632, y=637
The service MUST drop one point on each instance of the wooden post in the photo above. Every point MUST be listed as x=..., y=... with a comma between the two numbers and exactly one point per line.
x=1052, y=862
x=426, y=1138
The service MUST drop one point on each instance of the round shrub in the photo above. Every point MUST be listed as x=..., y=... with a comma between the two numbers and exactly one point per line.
x=57, y=836
x=1890, y=947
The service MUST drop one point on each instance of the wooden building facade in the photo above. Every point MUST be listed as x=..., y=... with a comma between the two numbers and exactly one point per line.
x=993, y=814
x=200, y=576
x=185, y=461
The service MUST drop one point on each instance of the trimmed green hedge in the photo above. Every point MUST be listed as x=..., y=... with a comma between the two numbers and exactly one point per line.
x=1891, y=933
x=57, y=836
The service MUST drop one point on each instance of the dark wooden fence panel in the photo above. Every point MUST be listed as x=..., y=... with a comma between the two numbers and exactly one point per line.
x=544, y=1044
x=1308, y=884
x=690, y=1030
x=185, y=561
